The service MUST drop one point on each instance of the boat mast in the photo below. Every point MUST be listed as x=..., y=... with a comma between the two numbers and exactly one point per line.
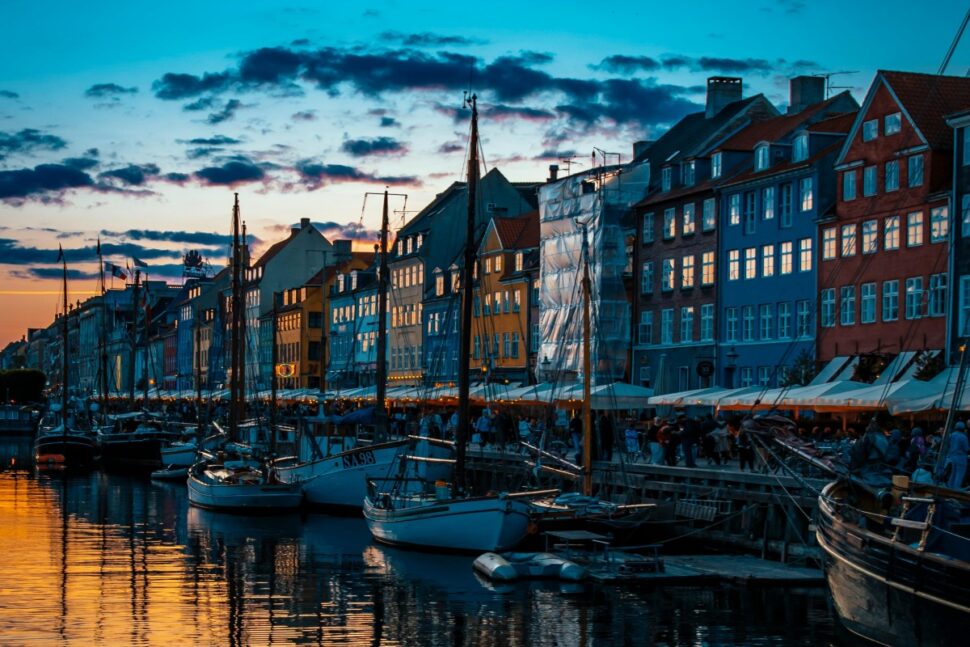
x=587, y=371
x=134, y=339
x=144, y=369
x=382, y=285
x=275, y=361
x=235, y=304
x=952, y=412
x=465, y=338
x=102, y=346
x=243, y=343
x=323, y=335
x=64, y=353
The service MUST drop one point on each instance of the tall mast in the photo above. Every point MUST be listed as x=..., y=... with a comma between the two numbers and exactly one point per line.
x=145, y=368
x=243, y=343
x=64, y=349
x=323, y=332
x=235, y=304
x=198, y=371
x=102, y=338
x=275, y=355
x=382, y=285
x=587, y=371
x=134, y=339
x=465, y=337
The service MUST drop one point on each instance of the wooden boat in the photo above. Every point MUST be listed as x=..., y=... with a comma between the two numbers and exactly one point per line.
x=245, y=488
x=170, y=473
x=134, y=442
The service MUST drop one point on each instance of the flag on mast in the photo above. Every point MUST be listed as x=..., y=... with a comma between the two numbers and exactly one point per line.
x=138, y=262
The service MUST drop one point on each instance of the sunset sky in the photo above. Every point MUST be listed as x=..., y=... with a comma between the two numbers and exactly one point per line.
x=136, y=122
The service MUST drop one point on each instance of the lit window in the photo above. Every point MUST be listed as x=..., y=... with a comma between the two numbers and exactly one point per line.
x=891, y=233
x=848, y=185
x=867, y=309
x=939, y=224
x=892, y=175
x=518, y=261
x=807, y=187
x=498, y=263
x=805, y=255
x=786, y=258
x=870, y=236
x=667, y=275
x=870, y=130
x=768, y=260
x=848, y=240
x=828, y=307
x=892, y=124
x=707, y=268
x=687, y=272
x=869, y=181
x=709, y=219
x=689, y=224
x=890, y=300
x=914, y=229
x=768, y=203
x=734, y=265
x=751, y=263
x=734, y=209
x=914, y=297
x=670, y=223
x=847, y=306
x=829, y=243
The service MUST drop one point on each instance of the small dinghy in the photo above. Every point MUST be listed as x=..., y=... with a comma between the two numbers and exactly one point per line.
x=509, y=567
x=171, y=473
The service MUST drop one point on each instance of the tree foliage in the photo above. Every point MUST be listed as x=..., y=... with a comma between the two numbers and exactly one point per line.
x=22, y=385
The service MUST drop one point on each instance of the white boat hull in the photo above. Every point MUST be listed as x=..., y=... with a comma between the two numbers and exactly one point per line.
x=244, y=497
x=341, y=480
x=491, y=523
x=180, y=455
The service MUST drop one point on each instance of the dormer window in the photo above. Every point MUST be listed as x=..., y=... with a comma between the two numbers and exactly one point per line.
x=498, y=263
x=762, y=157
x=408, y=245
x=716, y=162
x=665, y=178
x=800, y=150
x=353, y=280
x=688, y=173
x=439, y=283
x=518, y=261
x=400, y=248
x=455, y=283
x=418, y=240
x=340, y=283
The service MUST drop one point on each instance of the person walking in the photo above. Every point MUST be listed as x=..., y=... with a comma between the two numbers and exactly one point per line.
x=745, y=448
x=956, y=456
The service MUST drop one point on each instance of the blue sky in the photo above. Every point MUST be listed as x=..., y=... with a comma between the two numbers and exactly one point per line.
x=98, y=138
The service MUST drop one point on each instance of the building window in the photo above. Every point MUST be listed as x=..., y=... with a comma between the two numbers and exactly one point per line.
x=786, y=258
x=731, y=324
x=751, y=263
x=785, y=204
x=734, y=209
x=848, y=240
x=747, y=323
x=869, y=181
x=892, y=175
x=707, y=322
x=800, y=151
x=764, y=376
x=537, y=336
x=734, y=265
x=804, y=320
x=709, y=219
x=749, y=214
x=646, y=278
x=506, y=345
x=687, y=272
x=688, y=173
x=807, y=188
x=828, y=307
x=890, y=300
x=519, y=261
x=768, y=203
x=892, y=124
x=645, y=330
x=707, y=268
x=667, y=275
x=936, y=302
x=762, y=157
x=915, y=170
x=439, y=285
x=648, y=227
x=768, y=260
x=966, y=146
x=667, y=326
x=914, y=297
x=965, y=215
x=914, y=229
x=784, y=320
x=805, y=255
x=689, y=222
x=891, y=233
x=867, y=312
x=747, y=376
x=870, y=236
x=686, y=324
x=963, y=325
x=767, y=320
x=848, y=185
x=665, y=176
x=847, y=305
x=829, y=243
x=670, y=223
x=716, y=165
x=870, y=130
x=515, y=345
x=939, y=224
x=516, y=301
x=488, y=265
x=498, y=263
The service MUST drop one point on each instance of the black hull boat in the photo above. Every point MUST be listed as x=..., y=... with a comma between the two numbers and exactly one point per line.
x=73, y=450
x=899, y=579
x=125, y=453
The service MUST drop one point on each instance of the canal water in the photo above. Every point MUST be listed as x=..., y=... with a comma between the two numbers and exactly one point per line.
x=100, y=559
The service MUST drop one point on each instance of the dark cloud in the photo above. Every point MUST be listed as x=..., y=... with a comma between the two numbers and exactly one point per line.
x=501, y=112
x=300, y=42
x=352, y=230
x=231, y=173
x=376, y=146
x=227, y=112
x=185, y=86
x=727, y=65
x=54, y=273
x=389, y=122
x=80, y=163
x=203, y=103
x=314, y=175
x=7, y=94
x=305, y=115
x=215, y=140
x=208, y=239
x=633, y=100
x=12, y=252
x=176, y=178
x=45, y=182
x=451, y=147
x=202, y=151
x=108, y=91
x=621, y=64
x=131, y=175
x=552, y=155
x=28, y=140
x=427, y=39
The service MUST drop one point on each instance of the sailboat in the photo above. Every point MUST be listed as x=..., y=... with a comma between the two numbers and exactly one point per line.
x=334, y=468
x=408, y=512
x=243, y=484
x=62, y=445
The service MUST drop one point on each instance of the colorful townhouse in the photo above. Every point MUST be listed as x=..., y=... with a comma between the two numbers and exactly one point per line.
x=767, y=240
x=884, y=269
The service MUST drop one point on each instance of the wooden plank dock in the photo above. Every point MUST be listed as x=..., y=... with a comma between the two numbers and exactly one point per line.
x=701, y=569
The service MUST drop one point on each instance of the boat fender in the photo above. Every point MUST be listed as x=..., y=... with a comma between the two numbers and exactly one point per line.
x=495, y=567
x=572, y=572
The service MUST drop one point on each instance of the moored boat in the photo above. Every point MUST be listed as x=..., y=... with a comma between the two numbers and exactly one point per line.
x=244, y=488
x=73, y=448
x=135, y=442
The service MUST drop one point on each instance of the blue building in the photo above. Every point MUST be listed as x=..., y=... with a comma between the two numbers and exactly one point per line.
x=442, y=312
x=768, y=248
x=352, y=306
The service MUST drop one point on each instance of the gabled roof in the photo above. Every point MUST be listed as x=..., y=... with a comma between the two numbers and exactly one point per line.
x=927, y=99
x=772, y=130
x=841, y=123
x=786, y=167
x=518, y=233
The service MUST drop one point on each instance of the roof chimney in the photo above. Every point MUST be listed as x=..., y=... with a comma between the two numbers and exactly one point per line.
x=553, y=172
x=304, y=223
x=342, y=250
x=721, y=91
x=640, y=147
x=805, y=91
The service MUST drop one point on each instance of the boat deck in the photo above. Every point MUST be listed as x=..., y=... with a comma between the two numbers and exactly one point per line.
x=695, y=569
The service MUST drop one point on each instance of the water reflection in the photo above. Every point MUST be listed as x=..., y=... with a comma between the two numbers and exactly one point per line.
x=107, y=559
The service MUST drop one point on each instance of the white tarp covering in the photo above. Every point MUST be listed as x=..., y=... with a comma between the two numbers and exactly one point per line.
x=877, y=396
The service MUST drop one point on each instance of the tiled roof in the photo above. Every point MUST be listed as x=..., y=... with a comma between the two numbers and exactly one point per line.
x=771, y=130
x=841, y=123
x=783, y=168
x=275, y=249
x=928, y=98
x=518, y=233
